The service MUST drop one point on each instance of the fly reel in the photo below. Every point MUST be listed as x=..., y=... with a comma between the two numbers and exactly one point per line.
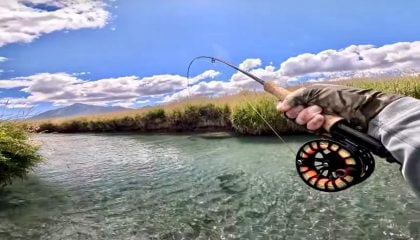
x=333, y=166
x=324, y=164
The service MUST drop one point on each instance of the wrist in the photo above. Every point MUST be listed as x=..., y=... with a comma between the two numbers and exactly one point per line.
x=390, y=114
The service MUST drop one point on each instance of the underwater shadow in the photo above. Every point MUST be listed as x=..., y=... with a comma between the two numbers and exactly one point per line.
x=31, y=192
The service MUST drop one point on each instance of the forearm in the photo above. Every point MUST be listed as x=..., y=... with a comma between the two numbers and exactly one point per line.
x=398, y=128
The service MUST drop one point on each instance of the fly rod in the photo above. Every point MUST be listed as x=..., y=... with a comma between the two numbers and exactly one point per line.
x=338, y=160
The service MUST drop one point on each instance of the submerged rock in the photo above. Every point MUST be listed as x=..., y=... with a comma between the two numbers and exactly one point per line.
x=215, y=135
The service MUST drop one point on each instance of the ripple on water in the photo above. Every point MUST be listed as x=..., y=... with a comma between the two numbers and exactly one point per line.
x=183, y=187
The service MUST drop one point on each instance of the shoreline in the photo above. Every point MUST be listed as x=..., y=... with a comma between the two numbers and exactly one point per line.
x=229, y=113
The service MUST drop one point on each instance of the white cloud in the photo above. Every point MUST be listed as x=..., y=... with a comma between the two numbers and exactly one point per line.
x=46, y=83
x=160, y=84
x=64, y=88
x=80, y=73
x=15, y=83
x=212, y=88
x=402, y=56
x=24, y=21
x=353, y=61
x=205, y=75
x=250, y=63
x=15, y=103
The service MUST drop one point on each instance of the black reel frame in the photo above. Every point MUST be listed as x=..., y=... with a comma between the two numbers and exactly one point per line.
x=340, y=160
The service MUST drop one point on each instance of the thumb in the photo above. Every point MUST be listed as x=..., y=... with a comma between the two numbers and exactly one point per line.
x=297, y=97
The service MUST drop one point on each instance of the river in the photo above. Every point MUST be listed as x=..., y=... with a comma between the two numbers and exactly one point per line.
x=128, y=186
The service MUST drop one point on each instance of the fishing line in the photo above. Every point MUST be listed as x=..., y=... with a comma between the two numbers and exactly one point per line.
x=271, y=127
x=213, y=60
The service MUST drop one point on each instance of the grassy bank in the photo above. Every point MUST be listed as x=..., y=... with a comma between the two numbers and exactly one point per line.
x=188, y=118
x=17, y=154
x=407, y=86
x=228, y=113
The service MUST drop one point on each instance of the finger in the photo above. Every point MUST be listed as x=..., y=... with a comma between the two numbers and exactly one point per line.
x=296, y=98
x=294, y=112
x=316, y=122
x=307, y=114
x=283, y=106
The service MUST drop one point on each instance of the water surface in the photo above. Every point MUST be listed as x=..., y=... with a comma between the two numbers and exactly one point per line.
x=187, y=187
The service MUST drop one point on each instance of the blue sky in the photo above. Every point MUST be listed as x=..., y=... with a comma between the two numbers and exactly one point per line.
x=134, y=53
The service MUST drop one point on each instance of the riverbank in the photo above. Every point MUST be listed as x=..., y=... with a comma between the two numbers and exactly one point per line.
x=201, y=117
x=228, y=113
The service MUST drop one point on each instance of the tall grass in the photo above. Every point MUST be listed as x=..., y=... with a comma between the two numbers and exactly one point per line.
x=193, y=117
x=407, y=86
x=17, y=154
x=186, y=118
x=235, y=112
x=256, y=115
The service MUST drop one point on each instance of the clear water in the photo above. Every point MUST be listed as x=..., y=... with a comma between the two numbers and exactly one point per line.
x=187, y=187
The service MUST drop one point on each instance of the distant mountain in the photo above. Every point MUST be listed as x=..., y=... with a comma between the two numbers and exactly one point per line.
x=77, y=109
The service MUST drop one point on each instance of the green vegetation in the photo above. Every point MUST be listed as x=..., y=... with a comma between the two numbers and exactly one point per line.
x=17, y=154
x=226, y=113
x=195, y=117
x=188, y=118
x=407, y=86
x=246, y=117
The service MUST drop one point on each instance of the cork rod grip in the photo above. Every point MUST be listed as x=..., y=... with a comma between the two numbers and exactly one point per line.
x=281, y=93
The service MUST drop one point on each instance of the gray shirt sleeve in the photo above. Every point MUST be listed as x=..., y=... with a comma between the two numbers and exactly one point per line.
x=397, y=126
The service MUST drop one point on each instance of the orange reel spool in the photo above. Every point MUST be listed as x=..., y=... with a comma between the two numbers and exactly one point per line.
x=331, y=166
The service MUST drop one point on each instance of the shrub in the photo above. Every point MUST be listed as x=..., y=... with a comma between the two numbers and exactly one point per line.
x=192, y=117
x=74, y=126
x=128, y=123
x=47, y=127
x=154, y=119
x=17, y=154
x=155, y=114
x=184, y=120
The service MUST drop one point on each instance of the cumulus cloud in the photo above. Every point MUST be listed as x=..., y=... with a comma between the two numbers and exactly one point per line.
x=160, y=84
x=250, y=63
x=64, y=88
x=26, y=20
x=15, y=83
x=205, y=75
x=402, y=56
x=212, y=88
x=353, y=61
x=356, y=61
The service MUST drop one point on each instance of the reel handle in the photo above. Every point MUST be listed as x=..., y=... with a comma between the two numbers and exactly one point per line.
x=281, y=93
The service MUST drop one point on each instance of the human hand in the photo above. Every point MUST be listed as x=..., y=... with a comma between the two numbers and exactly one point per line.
x=357, y=106
x=310, y=116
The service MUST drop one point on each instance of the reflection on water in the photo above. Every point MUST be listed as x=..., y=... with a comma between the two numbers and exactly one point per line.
x=188, y=187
